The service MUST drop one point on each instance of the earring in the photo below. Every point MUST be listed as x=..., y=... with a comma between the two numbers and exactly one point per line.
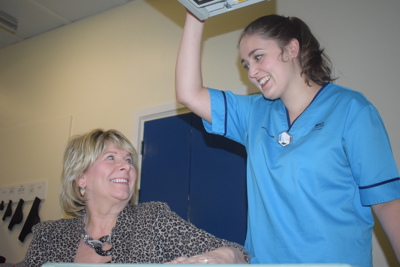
x=82, y=191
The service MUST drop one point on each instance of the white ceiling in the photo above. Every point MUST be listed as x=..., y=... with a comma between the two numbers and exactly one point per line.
x=39, y=16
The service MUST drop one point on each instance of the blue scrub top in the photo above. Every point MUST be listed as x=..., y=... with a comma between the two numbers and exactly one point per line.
x=309, y=201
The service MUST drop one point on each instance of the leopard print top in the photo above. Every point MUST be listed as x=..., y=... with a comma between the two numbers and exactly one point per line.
x=145, y=233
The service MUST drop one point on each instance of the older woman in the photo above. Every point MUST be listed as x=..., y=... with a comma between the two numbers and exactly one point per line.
x=98, y=181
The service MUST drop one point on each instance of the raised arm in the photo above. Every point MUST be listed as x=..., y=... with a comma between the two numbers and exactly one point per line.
x=188, y=77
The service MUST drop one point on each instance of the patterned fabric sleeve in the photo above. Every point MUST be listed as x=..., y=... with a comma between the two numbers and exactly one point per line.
x=37, y=253
x=178, y=237
x=53, y=241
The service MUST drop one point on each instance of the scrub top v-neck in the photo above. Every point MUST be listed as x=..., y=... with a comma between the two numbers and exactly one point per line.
x=285, y=138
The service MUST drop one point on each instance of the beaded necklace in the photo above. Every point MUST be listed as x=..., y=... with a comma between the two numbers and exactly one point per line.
x=97, y=245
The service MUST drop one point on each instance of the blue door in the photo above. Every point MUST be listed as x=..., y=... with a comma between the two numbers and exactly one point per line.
x=200, y=175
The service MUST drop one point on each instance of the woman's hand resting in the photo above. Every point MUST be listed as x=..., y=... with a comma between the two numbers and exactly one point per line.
x=223, y=255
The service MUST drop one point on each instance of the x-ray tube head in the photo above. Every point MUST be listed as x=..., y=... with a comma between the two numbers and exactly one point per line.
x=203, y=9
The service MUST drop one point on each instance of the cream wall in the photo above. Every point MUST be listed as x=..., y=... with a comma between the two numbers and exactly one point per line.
x=104, y=71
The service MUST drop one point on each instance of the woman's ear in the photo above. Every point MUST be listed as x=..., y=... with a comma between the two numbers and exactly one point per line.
x=293, y=48
x=81, y=181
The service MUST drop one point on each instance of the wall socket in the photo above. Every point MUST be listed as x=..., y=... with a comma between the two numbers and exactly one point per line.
x=26, y=192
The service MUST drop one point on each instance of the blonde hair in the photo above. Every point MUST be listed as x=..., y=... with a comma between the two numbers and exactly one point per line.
x=81, y=152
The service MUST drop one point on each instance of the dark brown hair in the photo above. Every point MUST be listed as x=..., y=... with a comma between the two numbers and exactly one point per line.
x=314, y=63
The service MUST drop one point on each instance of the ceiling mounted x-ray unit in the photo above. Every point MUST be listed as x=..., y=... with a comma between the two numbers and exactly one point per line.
x=203, y=9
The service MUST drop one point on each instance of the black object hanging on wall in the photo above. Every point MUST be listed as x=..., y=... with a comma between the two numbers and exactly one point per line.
x=2, y=205
x=32, y=219
x=18, y=215
x=8, y=211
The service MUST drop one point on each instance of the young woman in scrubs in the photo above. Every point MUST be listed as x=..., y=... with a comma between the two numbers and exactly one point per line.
x=319, y=157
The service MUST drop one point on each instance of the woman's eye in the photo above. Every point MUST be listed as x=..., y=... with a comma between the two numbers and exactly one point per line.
x=130, y=161
x=110, y=157
x=246, y=67
x=257, y=57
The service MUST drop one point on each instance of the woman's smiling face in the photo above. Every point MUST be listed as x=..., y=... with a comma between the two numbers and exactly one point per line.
x=269, y=69
x=111, y=177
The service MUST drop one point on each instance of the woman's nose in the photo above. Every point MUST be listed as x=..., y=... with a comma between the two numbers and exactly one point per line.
x=124, y=165
x=252, y=72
